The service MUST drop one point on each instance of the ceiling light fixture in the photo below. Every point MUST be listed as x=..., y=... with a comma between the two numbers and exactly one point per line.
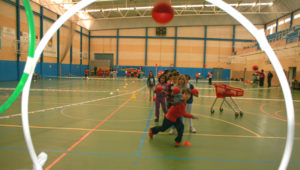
x=178, y=6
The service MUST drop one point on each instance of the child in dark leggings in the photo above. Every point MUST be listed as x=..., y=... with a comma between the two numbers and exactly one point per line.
x=151, y=85
x=170, y=84
x=173, y=118
x=160, y=97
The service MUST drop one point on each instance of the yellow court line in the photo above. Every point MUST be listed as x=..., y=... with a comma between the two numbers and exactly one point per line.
x=141, y=132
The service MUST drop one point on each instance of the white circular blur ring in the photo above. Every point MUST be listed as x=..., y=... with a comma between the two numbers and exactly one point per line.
x=261, y=39
x=25, y=94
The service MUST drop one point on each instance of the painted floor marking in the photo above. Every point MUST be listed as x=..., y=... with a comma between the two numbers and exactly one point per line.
x=145, y=132
x=69, y=105
x=153, y=157
x=86, y=135
x=140, y=132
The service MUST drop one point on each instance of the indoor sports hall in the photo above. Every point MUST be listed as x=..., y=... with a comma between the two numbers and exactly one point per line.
x=86, y=84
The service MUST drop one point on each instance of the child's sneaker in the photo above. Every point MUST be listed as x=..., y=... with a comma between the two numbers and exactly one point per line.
x=172, y=132
x=193, y=130
x=150, y=133
x=177, y=144
x=156, y=120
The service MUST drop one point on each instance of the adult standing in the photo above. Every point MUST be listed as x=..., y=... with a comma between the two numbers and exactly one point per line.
x=196, y=77
x=261, y=78
x=210, y=78
x=95, y=70
x=270, y=76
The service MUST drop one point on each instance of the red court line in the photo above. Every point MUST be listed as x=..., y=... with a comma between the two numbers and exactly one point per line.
x=284, y=118
x=145, y=96
x=4, y=97
x=86, y=135
x=276, y=114
x=278, y=117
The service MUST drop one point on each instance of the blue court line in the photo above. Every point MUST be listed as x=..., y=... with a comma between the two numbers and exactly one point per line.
x=145, y=132
x=153, y=157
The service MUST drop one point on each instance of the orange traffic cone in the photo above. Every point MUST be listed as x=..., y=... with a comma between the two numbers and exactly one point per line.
x=187, y=143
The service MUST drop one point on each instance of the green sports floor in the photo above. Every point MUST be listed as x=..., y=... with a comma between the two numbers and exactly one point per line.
x=103, y=124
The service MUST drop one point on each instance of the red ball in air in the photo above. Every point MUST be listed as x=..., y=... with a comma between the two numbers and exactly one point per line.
x=195, y=92
x=255, y=67
x=159, y=88
x=176, y=90
x=162, y=12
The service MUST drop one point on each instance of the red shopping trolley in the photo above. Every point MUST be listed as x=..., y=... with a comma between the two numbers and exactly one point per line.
x=223, y=91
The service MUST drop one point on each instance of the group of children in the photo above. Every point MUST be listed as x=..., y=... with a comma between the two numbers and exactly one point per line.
x=174, y=94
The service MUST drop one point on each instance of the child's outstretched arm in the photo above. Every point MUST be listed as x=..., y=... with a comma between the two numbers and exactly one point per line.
x=188, y=115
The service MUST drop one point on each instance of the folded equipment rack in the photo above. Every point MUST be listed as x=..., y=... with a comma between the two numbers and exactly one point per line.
x=223, y=91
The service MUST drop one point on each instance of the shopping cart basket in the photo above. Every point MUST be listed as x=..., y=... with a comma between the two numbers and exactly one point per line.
x=223, y=91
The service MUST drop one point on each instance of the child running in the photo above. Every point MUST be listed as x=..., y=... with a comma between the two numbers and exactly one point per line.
x=151, y=84
x=160, y=97
x=173, y=117
x=181, y=83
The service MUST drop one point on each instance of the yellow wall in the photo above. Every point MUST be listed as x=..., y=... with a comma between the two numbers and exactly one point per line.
x=104, y=33
x=190, y=32
x=217, y=53
x=8, y=19
x=160, y=52
x=103, y=45
x=85, y=50
x=24, y=28
x=132, y=51
x=65, y=43
x=220, y=32
x=8, y=36
x=190, y=53
x=296, y=21
x=49, y=14
x=76, y=49
x=132, y=32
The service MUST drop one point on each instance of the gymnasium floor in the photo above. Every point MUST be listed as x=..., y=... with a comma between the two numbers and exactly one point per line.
x=97, y=124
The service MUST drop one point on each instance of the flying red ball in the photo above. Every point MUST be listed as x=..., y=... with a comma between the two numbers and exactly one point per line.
x=255, y=67
x=162, y=12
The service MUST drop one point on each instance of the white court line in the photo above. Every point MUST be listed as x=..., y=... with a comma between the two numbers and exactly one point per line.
x=69, y=105
x=245, y=89
x=244, y=98
x=74, y=77
x=260, y=88
x=98, y=91
x=60, y=90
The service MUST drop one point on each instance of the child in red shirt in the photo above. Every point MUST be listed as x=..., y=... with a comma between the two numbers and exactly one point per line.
x=173, y=118
x=86, y=73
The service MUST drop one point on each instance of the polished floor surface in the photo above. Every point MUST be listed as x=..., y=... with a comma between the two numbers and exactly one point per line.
x=103, y=124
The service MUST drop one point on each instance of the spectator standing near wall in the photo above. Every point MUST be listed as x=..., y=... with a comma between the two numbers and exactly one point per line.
x=209, y=78
x=95, y=70
x=86, y=73
x=261, y=78
x=270, y=76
